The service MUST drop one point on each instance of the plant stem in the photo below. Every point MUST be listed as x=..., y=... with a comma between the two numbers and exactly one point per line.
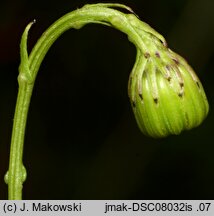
x=17, y=173
x=98, y=13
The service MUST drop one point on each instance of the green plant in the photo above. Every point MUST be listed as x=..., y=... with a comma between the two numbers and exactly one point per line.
x=166, y=95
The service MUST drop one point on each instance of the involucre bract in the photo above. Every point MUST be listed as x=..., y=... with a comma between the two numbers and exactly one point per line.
x=166, y=95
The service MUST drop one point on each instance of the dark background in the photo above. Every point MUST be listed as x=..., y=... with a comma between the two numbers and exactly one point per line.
x=82, y=141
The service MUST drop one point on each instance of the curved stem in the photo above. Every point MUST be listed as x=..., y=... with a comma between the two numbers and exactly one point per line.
x=77, y=19
x=98, y=13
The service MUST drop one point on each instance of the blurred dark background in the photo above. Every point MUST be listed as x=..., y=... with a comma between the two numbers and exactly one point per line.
x=82, y=141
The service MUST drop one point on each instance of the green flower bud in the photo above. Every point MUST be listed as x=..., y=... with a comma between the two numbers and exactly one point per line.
x=166, y=95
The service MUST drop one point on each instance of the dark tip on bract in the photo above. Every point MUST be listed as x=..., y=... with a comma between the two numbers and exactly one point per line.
x=156, y=100
x=198, y=84
x=169, y=78
x=181, y=84
x=176, y=61
x=168, y=67
x=141, y=96
x=180, y=94
x=147, y=55
x=157, y=54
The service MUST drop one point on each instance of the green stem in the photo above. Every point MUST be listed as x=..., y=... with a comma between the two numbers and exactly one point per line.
x=98, y=13
x=77, y=19
x=17, y=173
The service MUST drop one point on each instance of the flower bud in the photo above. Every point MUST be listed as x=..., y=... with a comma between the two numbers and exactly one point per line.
x=166, y=95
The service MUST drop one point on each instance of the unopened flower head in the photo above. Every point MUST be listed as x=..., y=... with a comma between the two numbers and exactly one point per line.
x=166, y=95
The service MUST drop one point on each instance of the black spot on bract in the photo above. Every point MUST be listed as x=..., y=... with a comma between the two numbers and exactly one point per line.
x=181, y=84
x=176, y=61
x=141, y=96
x=147, y=55
x=169, y=78
x=156, y=100
x=198, y=84
x=157, y=54
x=168, y=67
x=180, y=94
